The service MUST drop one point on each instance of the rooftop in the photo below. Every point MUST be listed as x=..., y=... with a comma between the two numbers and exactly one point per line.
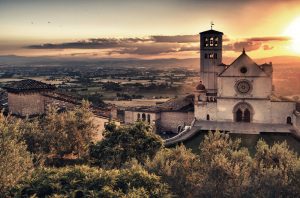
x=177, y=104
x=28, y=85
x=211, y=32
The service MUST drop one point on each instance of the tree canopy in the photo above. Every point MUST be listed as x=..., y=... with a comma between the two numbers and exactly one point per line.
x=122, y=144
x=58, y=134
x=15, y=160
x=84, y=181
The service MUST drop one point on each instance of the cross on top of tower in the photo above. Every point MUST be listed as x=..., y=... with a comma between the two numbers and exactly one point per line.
x=211, y=25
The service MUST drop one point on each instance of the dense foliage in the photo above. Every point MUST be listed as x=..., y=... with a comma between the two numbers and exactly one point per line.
x=122, y=144
x=58, y=134
x=84, y=181
x=15, y=160
x=223, y=168
x=179, y=168
x=131, y=162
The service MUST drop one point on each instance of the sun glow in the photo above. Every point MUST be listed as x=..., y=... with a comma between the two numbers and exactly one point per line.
x=293, y=31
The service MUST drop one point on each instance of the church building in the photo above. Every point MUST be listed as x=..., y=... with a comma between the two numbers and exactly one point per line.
x=239, y=92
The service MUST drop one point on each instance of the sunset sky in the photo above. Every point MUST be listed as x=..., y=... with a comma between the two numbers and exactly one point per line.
x=147, y=28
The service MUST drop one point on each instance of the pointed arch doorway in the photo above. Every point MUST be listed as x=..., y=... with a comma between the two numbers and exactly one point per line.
x=243, y=112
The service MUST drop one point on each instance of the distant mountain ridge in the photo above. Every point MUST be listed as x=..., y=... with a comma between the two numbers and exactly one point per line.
x=189, y=62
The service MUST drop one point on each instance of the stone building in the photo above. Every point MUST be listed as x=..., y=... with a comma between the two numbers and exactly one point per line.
x=237, y=98
x=25, y=97
x=170, y=116
x=239, y=92
x=31, y=98
x=226, y=97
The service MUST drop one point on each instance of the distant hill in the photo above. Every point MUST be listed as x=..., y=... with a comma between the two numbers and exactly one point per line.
x=192, y=63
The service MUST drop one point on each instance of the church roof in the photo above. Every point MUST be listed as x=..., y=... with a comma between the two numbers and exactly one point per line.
x=28, y=85
x=200, y=87
x=211, y=32
x=182, y=104
x=244, y=60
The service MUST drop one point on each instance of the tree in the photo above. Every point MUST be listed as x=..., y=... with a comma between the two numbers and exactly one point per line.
x=179, y=168
x=226, y=166
x=68, y=132
x=57, y=134
x=124, y=143
x=15, y=160
x=276, y=171
x=84, y=181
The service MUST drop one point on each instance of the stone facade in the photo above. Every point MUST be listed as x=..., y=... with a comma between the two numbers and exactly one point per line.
x=133, y=116
x=26, y=104
x=169, y=116
x=174, y=121
x=163, y=121
x=244, y=92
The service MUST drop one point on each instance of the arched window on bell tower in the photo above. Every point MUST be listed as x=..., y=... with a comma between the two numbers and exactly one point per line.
x=216, y=41
x=206, y=42
x=211, y=42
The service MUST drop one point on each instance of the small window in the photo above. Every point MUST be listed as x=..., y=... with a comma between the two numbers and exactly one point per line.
x=143, y=117
x=211, y=56
x=216, y=56
x=216, y=41
x=243, y=70
x=289, y=120
x=207, y=117
x=206, y=42
x=205, y=56
x=211, y=41
x=148, y=118
x=138, y=117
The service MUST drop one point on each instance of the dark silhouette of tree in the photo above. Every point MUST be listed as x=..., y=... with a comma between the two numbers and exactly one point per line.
x=122, y=144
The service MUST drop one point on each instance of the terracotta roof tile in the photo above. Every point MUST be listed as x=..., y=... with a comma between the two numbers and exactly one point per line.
x=28, y=85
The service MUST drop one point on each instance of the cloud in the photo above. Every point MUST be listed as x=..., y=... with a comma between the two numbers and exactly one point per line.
x=270, y=38
x=106, y=43
x=149, y=49
x=189, y=48
x=267, y=47
x=157, y=44
x=176, y=39
x=85, y=44
x=239, y=46
x=142, y=46
x=254, y=43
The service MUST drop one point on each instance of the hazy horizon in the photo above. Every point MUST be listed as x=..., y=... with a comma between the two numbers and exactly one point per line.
x=147, y=29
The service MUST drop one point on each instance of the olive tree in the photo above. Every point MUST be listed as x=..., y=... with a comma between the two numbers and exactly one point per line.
x=15, y=160
x=124, y=143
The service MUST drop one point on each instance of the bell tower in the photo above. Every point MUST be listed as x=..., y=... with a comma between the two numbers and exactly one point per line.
x=210, y=58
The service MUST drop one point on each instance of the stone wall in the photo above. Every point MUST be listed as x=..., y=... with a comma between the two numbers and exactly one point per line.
x=264, y=111
x=164, y=121
x=282, y=110
x=26, y=104
x=261, y=110
x=133, y=116
x=170, y=121
x=203, y=110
